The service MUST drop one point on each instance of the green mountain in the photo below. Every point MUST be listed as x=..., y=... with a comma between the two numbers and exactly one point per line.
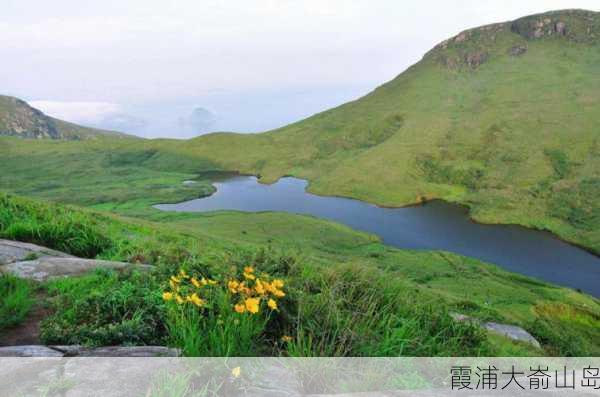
x=17, y=118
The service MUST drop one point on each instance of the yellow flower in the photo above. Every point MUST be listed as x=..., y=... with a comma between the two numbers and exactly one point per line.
x=176, y=280
x=179, y=299
x=174, y=285
x=236, y=372
x=196, y=282
x=211, y=282
x=272, y=304
x=277, y=283
x=243, y=289
x=183, y=274
x=278, y=293
x=286, y=338
x=252, y=305
x=196, y=300
x=248, y=269
x=259, y=287
x=233, y=286
x=240, y=308
x=167, y=296
x=249, y=276
x=203, y=281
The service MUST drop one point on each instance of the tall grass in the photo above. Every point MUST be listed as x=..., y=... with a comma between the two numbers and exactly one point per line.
x=16, y=299
x=60, y=228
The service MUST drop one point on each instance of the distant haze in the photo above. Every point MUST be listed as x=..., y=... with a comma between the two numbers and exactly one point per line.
x=147, y=66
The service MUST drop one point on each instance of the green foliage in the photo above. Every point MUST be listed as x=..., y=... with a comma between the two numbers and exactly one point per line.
x=560, y=162
x=104, y=309
x=16, y=300
x=218, y=332
x=434, y=171
x=59, y=228
x=355, y=311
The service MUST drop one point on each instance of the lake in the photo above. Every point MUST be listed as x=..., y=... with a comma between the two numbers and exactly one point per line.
x=434, y=226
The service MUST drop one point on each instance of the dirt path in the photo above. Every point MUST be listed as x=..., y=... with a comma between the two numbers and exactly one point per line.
x=28, y=332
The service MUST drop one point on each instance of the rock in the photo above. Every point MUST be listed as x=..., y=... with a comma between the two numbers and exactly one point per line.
x=560, y=28
x=80, y=351
x=461, y=37
x=189, y=183
x=16, y=251
x=118, y=351
x=49, y=267
x=475, y=59
x=29, y=351
x=512, y=332
x=518, y=50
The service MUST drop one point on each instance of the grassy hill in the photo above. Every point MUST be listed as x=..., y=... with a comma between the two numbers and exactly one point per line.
x=17, y=118
x=503, y=118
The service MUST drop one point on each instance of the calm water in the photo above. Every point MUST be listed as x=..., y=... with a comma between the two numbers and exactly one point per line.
x=436, y=225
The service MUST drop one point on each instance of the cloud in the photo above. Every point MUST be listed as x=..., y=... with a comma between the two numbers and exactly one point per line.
x=78, y=112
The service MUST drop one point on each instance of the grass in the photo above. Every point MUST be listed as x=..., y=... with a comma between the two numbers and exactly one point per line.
x=17, y=300
x=346, y=294
x=105, y=309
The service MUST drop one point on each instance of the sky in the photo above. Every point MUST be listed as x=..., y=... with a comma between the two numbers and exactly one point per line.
x=179, y=69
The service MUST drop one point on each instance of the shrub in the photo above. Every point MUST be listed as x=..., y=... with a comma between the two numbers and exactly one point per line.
x=105, y=308
x=221, y=318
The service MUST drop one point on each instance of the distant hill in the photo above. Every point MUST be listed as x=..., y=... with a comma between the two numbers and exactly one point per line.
x=17, y=118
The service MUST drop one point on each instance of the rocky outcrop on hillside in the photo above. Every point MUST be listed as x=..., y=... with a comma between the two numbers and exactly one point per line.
x=472, y=48
x=17, y=118
x=20, y=119
x=38, y=263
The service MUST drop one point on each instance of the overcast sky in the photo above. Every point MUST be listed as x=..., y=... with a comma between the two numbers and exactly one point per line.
x=146, y=65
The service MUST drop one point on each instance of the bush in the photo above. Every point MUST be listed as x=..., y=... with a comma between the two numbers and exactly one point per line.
x=105, y=308
x=355, y=311
x=221, y=318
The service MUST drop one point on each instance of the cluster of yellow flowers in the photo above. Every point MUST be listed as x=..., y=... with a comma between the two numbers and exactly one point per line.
x=248, y=292
x=251, y=291
x=185, y=289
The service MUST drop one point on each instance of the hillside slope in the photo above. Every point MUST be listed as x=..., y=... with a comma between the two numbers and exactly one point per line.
x=503, y=118
x=17, y=118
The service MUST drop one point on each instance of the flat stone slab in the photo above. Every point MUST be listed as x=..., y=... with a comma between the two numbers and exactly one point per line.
x=512, y=332
x=45, y=268
x=118, y=351
x=80, y=351
x=29, y=351
x=16, y=251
